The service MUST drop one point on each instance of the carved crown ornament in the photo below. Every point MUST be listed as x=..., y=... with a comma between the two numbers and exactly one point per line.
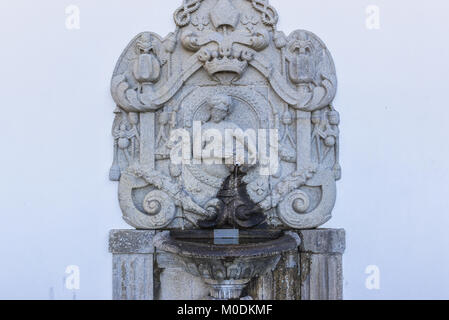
x=225, y=67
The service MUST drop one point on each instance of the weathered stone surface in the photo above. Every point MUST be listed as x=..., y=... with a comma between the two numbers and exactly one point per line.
x=226, y=67
x=227, y=269
x=280, y=284
x=176, y=284
x=131, y=241
x=323, y=241
x=226, y=123
x=321, y=276
x=132, y=277
x=132, y=264
x=173, y=282
x=320, y=260
x=314, y=273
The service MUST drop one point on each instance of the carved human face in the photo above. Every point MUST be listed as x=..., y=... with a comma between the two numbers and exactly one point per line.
x=218, y=113
x=316, y=118
x=334, y=118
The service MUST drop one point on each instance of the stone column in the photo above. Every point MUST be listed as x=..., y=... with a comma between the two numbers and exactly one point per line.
x=132, y=264
x=320, y=259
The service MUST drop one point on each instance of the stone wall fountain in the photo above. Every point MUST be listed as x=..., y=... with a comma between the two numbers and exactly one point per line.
x=226, y=150
x=227, y=266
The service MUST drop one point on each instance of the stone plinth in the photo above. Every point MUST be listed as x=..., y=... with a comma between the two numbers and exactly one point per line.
x=132, y=264
x=321, y=255
x=142, y=273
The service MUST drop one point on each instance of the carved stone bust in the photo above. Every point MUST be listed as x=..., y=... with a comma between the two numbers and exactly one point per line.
x=226, y=122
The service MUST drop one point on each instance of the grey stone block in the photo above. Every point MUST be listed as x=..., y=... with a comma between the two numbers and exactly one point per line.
x=132, y=264
x=321, y=276
x=323, y=241
x=131, y=241
x=132, y=277
x=321, y=269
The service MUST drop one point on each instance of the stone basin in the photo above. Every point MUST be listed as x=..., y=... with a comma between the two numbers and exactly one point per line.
x=227, y=268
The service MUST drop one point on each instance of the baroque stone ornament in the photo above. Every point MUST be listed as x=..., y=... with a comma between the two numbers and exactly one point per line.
x=226, y=69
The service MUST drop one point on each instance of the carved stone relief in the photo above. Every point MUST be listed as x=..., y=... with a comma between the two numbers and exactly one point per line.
x=225, y=67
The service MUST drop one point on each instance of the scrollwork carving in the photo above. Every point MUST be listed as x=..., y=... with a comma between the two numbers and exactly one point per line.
x=296, y=203
x=174, y=190
x=295, y=211
x=160, y=207
x=232, y=49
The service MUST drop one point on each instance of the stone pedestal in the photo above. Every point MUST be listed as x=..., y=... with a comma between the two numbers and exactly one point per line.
x=132, y=264
x=321, y=267
x=142, y=273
